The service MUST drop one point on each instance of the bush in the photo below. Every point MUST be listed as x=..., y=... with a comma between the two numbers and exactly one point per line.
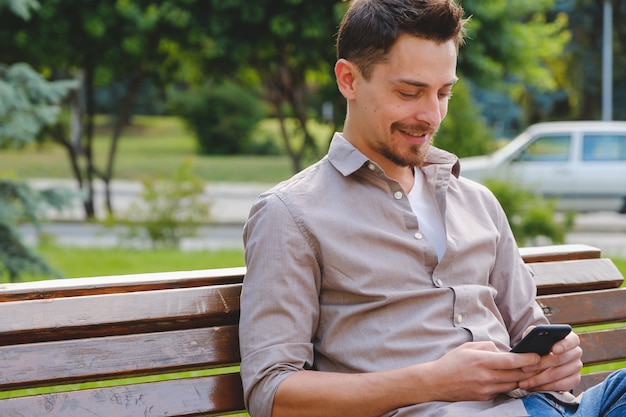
x=221, y=116
x=169, y=210
x=464, y=131
x=530, y=217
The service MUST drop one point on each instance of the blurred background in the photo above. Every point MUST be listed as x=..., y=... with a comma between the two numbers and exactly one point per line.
x=135, y=135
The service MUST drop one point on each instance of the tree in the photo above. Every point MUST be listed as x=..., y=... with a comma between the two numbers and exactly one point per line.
x=514, y=55
x=97, y=42
x=287, y=46
x=28, y=103
x=584, y=59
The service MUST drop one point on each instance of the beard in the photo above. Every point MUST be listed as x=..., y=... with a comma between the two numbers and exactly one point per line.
x=415, y=155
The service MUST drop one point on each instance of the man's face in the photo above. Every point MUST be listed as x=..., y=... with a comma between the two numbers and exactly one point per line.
x=394, y=115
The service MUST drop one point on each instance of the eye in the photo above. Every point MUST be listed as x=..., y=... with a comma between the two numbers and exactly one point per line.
x=445, y=94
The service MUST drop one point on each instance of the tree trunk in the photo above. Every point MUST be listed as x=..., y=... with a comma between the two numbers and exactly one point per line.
x=122, y=118
x=89, y=204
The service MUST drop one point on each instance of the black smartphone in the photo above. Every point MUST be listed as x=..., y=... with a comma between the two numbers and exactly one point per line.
x=541, y=338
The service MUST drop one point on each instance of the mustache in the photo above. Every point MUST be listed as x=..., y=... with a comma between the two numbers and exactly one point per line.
x=419, y=128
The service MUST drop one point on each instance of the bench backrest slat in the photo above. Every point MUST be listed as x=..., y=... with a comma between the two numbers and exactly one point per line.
x=116, y=284
x=603, y=346
x=585, y=308
x=558, y=253
x=174, y=398
x=125, y=313
x=589, y=380
x=50, y=363
x=575, y=275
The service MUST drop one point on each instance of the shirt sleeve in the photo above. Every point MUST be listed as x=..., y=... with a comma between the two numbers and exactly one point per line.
x=513, y=281
x=279, y=302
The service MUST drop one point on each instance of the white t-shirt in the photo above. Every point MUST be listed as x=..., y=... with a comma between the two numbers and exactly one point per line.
x=428, y=216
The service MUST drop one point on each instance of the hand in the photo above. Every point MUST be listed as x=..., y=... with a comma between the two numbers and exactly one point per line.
x=478, y=371
x=559, y=370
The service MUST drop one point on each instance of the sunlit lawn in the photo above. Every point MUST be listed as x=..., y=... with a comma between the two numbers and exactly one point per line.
x=151, y=146
x=89, y=262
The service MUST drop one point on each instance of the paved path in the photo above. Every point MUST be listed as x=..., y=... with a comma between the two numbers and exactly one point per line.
x=231, y=203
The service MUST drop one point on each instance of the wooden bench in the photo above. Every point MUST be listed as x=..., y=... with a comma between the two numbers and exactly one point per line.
x=184, y=324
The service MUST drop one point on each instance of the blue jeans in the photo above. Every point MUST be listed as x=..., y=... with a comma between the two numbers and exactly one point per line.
x=607, y=399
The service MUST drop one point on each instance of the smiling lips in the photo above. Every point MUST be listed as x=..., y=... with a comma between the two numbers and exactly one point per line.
x=415, y=137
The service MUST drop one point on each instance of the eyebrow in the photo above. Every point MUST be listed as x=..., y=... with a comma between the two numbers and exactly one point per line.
x=422, y=84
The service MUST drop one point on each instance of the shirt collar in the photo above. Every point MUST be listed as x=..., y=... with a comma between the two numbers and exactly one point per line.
x=347, y=159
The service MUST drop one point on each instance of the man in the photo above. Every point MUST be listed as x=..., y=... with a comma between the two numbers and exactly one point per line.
x=379, y=282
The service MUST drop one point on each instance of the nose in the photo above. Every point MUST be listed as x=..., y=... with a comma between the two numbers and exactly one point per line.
x=431, y=109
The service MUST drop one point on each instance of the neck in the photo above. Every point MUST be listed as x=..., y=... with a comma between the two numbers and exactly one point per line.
x=406, y=178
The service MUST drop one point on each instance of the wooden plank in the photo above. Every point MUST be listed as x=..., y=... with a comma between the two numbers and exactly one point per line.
x=603, y=346
x=558, y=253
x=576, y=275
x=592, y=307
x=119, y=284
x=176, y=398
x=110, y=314
x=589, y=380
x=52, y=363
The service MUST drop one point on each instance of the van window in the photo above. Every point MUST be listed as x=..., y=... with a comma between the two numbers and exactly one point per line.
x=553, y=148
x=604, y=147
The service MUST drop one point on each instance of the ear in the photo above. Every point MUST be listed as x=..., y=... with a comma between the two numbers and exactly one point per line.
x=347, y=74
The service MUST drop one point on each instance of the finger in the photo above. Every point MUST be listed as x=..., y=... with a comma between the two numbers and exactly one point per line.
x=560, y=378
x=564, y=384
x=528, y=363
x=570, y=342
x=552, y=360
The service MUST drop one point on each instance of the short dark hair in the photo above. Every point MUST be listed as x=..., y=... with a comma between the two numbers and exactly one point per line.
x=371, y=27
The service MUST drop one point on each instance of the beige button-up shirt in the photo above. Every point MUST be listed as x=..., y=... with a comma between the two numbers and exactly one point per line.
x=341, y=279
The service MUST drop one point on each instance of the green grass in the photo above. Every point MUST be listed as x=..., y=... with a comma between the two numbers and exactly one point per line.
x=89, y=262
x=158, y=145
x=151, y=146
x=621, y=265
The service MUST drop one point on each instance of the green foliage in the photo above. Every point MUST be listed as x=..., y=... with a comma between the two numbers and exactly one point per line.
x=28, y=103
x=20, y=202
x=464, y=132
x=221, y=116
x=285, y=46
x=530, y=216
x=512, y=43
x=171, y=208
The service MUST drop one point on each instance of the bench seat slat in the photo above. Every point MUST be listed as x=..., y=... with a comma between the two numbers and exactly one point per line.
x=591, y=307
x=175, y=398
x=108, y=314
x=575, y=275
x=53, y=363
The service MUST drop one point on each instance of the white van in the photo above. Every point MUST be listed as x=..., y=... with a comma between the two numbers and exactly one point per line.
x=580, y=164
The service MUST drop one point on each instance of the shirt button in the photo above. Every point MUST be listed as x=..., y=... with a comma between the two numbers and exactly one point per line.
x=397, y=195
x=419, y=236
x=459, y=318
x=439, y=283
x=371, y=167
